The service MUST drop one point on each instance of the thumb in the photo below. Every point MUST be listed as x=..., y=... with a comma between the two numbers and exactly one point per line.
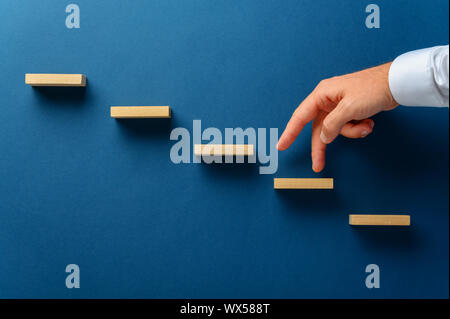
x=334, y=121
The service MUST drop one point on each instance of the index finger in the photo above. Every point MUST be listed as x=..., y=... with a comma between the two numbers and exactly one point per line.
x=305, y=113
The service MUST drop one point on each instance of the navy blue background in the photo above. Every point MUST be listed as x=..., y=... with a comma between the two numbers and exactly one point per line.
x=79, y=187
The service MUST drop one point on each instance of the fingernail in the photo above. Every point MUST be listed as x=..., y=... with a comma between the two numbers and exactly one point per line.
x=323, y=138
x=364, y=134
x=372, y=124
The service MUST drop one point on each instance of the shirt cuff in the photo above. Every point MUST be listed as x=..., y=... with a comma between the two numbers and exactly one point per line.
x=411, y=79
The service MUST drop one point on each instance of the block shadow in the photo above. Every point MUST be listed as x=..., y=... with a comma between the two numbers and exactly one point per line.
x=231, y=170
x=149, y=128
x=62, y=95
x=324, y=202
x=389, y=238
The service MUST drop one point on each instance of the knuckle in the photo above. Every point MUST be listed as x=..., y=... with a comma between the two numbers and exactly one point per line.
x=323, y=83
x=345, y=105
x=336, y=77
x=348, y=106
x=327, y=125
x=347, y=109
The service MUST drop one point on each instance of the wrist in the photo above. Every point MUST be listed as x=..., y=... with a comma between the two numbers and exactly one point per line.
x=391, y=102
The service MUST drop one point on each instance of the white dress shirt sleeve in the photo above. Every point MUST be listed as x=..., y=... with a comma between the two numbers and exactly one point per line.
x=420, y=78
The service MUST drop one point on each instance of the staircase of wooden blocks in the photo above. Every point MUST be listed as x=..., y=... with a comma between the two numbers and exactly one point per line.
x=202, y=150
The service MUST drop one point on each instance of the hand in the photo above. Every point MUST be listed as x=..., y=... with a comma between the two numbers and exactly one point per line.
x=340, y=105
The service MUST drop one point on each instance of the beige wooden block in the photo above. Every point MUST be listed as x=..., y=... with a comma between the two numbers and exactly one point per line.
x=140, y=112
x=303, y=183
x=35, y=79
x=380, y=220
x=224, y=150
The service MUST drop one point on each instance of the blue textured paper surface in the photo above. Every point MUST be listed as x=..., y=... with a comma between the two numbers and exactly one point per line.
x=79, y=187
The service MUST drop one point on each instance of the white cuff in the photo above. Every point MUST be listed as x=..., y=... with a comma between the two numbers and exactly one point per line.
x=420, y=78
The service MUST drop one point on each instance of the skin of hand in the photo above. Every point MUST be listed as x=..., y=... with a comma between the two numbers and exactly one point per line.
x=340, y=105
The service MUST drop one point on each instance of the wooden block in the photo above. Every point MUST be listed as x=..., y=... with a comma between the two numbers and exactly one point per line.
x=55, y=79
x=140, y=112
x=380, y=220
x=303, y=183
x=224, y=150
